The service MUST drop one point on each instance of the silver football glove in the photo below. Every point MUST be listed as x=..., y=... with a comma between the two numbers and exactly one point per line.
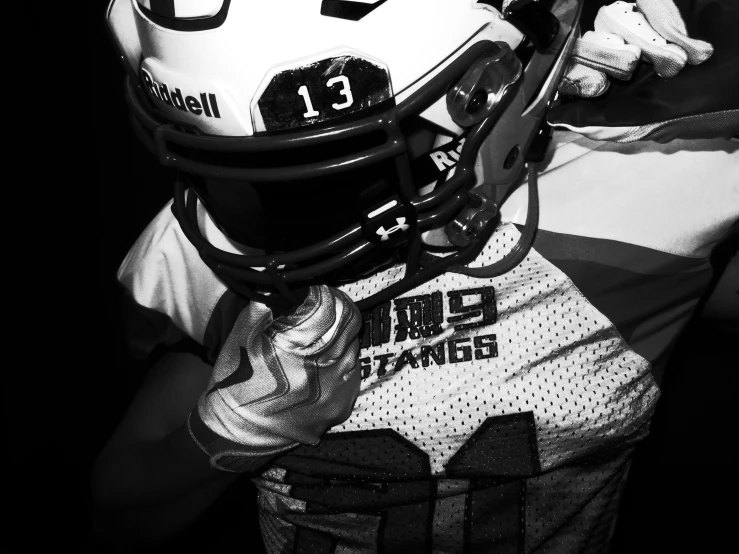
x=651, y=30
x=280, y=382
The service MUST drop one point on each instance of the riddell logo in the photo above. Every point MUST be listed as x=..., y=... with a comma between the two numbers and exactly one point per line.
x=206, y=104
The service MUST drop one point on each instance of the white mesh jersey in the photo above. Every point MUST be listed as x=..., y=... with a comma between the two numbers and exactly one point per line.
x=499, y=414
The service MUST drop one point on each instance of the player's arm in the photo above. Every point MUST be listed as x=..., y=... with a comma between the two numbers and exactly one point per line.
x=192, y=429
x=152, y=479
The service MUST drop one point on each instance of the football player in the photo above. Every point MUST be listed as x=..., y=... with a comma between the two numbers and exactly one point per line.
x=416, y=319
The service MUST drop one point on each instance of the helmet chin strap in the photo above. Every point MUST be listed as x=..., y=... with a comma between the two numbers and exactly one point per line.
x=449, y=235
x=525, y=242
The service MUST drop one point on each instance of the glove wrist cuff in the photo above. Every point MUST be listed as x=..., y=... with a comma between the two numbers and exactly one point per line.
x=226, y=455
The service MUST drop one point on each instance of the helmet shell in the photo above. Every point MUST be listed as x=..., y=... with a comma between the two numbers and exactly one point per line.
x=211, y=79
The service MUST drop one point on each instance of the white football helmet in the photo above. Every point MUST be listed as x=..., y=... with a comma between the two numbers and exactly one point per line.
x=332, y=134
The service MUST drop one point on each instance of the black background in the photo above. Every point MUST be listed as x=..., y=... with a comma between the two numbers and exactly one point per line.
x=83, y=189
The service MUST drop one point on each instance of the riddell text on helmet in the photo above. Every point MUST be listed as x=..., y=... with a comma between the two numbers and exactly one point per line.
x=204, y=103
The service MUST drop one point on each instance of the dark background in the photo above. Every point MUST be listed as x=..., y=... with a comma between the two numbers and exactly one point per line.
x=103, y=189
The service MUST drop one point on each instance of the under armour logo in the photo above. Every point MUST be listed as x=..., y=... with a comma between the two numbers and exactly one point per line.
x=378, y=227
x=401, y=226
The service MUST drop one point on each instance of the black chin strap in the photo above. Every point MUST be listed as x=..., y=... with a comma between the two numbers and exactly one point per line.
x=522, y=247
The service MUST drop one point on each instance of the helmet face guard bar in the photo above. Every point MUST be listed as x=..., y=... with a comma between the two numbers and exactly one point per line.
x=285, y=272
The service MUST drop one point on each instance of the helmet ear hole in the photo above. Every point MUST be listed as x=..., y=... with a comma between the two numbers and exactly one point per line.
x=511, y=157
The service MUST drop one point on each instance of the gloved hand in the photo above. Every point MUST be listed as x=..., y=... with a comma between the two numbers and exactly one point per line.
x=661, y=99
x=597, y=55
x=280, y=382
x=622, y=36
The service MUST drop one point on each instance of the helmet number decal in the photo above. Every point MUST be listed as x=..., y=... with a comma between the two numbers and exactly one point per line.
x=303, y=91
x=319, y=91
x=345, y=91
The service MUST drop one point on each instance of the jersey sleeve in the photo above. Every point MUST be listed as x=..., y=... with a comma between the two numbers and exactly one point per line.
x=634, y=226
x=172, y=296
